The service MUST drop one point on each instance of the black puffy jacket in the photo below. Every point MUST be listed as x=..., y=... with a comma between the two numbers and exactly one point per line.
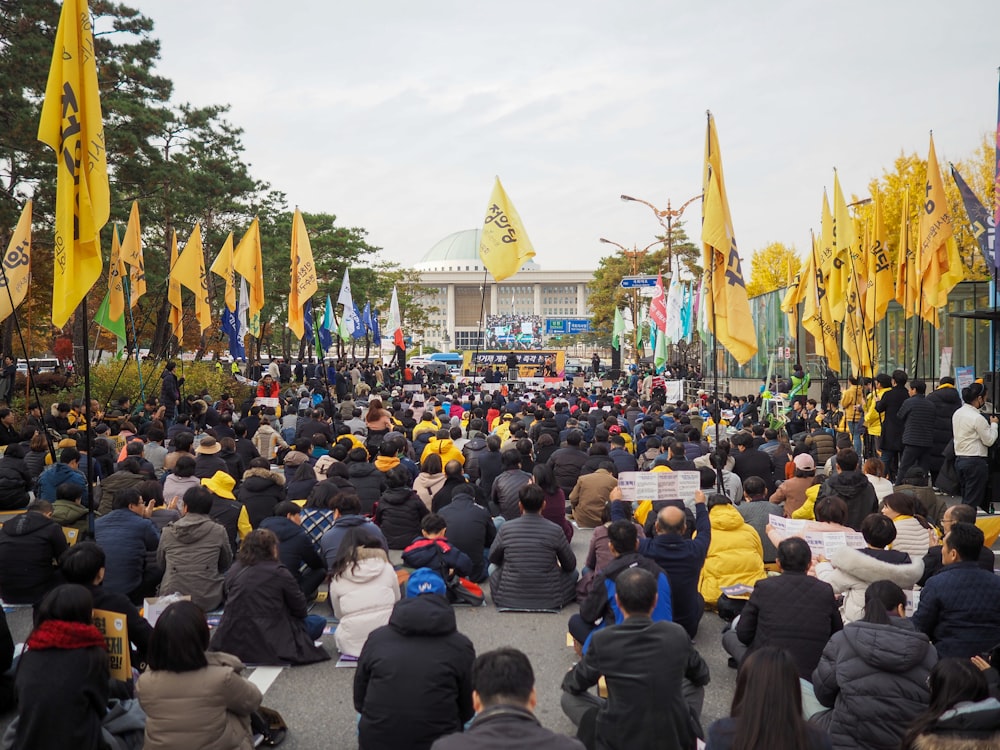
x=15, y=480
x=472, y=450
x=947, y=401
x=369, y=482
x=875, y=679
x=260, y=491
x=413, y=683
x=919, y=420
x=398, y=515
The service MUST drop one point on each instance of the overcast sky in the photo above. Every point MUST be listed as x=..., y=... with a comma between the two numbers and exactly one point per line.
x=396, y=116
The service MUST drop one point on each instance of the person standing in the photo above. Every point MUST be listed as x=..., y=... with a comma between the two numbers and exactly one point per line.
x=973, y=438
x=595, y=364
x=918, y=416
x=892, y=426
x=170, y=393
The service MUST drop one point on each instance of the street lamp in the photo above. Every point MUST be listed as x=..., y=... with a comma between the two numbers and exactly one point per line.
x=635, y=256
x=669, y=214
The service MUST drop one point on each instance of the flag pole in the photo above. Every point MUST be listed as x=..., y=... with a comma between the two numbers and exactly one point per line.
x=482, y=330
x=135, y=338
x=715, y=339
x=90, y=418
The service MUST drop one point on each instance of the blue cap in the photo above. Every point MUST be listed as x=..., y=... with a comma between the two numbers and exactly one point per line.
x=425, y=581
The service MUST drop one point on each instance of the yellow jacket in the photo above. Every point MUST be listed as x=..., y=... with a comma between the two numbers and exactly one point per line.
x=445, y=448
x=852, y=403
x=735, y=555
x=806, y=510
x=873, y=420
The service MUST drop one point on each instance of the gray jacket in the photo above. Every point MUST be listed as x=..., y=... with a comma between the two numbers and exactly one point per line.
x=537, y=567
x=194, y=553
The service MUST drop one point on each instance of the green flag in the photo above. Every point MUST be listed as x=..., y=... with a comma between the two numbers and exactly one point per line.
x=117, y=327
x=618, y=330
x=660, y=353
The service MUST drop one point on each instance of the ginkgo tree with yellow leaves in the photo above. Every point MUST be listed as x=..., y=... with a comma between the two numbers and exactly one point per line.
x=772, y=267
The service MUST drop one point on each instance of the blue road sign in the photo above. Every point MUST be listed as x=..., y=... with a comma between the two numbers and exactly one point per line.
x=631, y=282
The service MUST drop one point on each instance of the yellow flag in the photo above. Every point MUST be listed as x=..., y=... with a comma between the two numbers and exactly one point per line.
x=116, y=284
x=816, y=311
x=189, y=270
x=908, y=266
x=223, y=266
x=728, y=311
x=248, y=264
x=131, y=253
x=174, y=294
x=71, y=125
x=844, y=235
x=505, y=246
x=17, y=265
x=941, y=264
x=303, y=277
x=880, y=290
x=793, y=296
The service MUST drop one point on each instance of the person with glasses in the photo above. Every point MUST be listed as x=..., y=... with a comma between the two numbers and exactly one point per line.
x=960, y=513
x=973, y=437
x=129, y=540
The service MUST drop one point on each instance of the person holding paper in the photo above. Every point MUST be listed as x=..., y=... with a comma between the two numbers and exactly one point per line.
x=736, y=555
x=850, y=571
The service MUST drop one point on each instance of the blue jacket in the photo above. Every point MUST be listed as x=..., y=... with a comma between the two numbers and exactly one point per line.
x=125, y=537
x=958, y=610
x=58, y=474
x=682, y=560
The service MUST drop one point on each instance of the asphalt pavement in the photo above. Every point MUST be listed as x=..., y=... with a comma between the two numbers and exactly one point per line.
x=317, y=703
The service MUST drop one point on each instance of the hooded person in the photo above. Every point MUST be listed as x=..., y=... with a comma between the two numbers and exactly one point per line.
x=260, y=491
x=400, y=510
x=413, y=683
x=367, y=480
x=852, y=486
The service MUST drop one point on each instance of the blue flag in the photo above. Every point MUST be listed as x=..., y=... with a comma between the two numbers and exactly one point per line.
x=366, y=316
x=376, y=330
x=358, y=330
x=231, y=327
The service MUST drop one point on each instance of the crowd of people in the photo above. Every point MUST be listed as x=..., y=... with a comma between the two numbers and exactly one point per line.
x=861, y=610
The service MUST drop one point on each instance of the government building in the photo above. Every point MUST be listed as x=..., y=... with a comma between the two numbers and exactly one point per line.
x=523, y=311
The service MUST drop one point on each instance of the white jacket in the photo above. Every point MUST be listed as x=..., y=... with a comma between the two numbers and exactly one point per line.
x=911, y=537
x=362, y=599
x=850, y=571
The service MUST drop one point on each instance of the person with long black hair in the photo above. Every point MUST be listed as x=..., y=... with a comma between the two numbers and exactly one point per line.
x=960, y=715
x=62, y=680
x=767, y=708
x=873, y=674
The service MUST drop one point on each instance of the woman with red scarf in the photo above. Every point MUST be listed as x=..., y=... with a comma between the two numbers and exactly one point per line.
x=62, y=680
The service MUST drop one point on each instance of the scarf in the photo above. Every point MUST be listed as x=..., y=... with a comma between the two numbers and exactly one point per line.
x=65, y=635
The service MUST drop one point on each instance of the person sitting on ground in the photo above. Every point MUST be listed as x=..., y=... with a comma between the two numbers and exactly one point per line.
x=68, y=510
x=62, y=680
x=917, y=482
x=958, y=513
x=30, y=545
x=535, y=566
x=266, y=620
x=873, y=674
x=66, y=469
x=194, y=552
x=757, y=512
x=413, y=683
x=680, y=557
x=555, y=500
x=507, y=487
x=874, y=471
x=591, y=493
x=957, y=606
x=735, y=556
x=914, y=534
x=346, y=508
x=193, y=697
x=600, y=609
x=260, y=491
x=852, y=487
x=363, y=589
x=295, y=549
x=127, y=536
x=433, y=550
x=181, y=478
x=767, y=708
x=400, y=510
x=961, y=715
x=655, y=677
x=227, y=511
x=470, y=529
x=792, y=492
x=850, y=571
x=793, y=611
x=15, y=479
x=503, y=697
x=84, y=564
